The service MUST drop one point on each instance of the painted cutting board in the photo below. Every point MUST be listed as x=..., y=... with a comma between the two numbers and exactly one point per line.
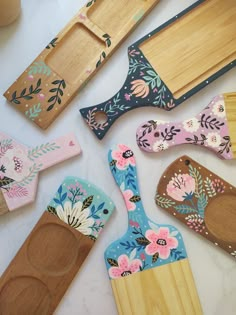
x=20, y=167
x=200, y=199
x=42, y=270
x=148, y=266
x=47, y=86
x=214, y=128
x=166, y=66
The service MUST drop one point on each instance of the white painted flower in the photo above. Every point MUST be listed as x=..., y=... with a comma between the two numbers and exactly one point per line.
x=76, y=217
x=219, y=109
x=191, y=125
x=160, y=146
x=213, y=139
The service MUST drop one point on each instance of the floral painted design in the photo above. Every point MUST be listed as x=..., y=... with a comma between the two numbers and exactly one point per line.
x=195, y=222
x=191, y=125
x=181, y=187
x=208, y=129
x=20, y=166
x=146, y=244
x=143, y=87
x=213, y=139
x=123, y=156
x=160, y=146
x=160, y=242
x=124, y=267
x=219, y=109
x=187, y=194
x=81, y=205
x=76, y=216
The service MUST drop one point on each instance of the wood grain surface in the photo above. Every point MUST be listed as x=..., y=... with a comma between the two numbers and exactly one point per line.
x=201, y=200
x=39, y=275
x=177, y=53
x=67, y=63
x=230, y=105
x=164, y=290
x=3, y=206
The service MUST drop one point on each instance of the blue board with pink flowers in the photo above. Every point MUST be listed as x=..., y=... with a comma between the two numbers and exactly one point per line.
x=146, y=244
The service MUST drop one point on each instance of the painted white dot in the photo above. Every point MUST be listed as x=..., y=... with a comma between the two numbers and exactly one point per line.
x=230, y=246
x=216, y=244
x=164, y=194
x=174, y=213
x=26, y=105
x=210, y=175
x=98, y=197
x=181, y=160
x=206, y=233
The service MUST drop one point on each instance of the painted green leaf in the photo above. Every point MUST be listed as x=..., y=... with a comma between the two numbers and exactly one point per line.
x=184, y=209
x=164, y=202
x=135, y=199
x=5, y=181
x=201, y=204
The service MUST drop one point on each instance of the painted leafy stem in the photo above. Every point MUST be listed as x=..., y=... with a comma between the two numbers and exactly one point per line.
x=58, y=93
x=52, y=43
x=192, y=192
x=26, y=95
x=41, y=150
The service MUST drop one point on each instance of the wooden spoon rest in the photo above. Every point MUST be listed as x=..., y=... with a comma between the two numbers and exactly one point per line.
x=39, y=275
x=47, y=86
x=166, y=66
x=20, y=167
x=201, y=200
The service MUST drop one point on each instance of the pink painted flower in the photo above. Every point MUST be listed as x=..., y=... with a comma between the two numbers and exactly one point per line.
x=195, y=222
x=125, y=267
x=30, y=77
x=142, y=256
x=128, y=96
x=160, y=242
x=128, y=194
x=181, y=187
x=134, y=224
x=41, y=96
x=123, y=156
x=218, y=186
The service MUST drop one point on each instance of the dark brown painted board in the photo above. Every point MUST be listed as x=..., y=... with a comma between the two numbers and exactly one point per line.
x=201, y=200
x=39, y=275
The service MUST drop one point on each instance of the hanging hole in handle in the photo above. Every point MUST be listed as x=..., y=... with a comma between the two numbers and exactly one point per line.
x=101, y=117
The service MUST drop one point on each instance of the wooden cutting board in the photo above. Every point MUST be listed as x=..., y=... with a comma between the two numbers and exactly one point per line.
x=20, y=167
x=47, y=86
x=201, y=200
x=173, y=62
x=42, y=270
x=148, y=267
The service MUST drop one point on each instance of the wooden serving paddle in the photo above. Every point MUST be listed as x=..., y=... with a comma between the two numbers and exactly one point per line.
x=42, y=270
x=148, y=266
x=20, y=167
x=201, y=200
x=214, y=128
x=47, y=86
x=165, y=66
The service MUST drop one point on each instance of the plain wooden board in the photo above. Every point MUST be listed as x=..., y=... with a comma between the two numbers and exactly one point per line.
x=230, y=103
x=39, y=275
x=154, y=287
x=3, y=206
x=76, y=55
x=190, y=50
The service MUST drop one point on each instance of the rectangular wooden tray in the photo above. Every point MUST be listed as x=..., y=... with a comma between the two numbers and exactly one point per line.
x=73, y=57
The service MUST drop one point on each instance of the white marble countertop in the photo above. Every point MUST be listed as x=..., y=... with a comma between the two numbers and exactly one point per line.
x=90, y=293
